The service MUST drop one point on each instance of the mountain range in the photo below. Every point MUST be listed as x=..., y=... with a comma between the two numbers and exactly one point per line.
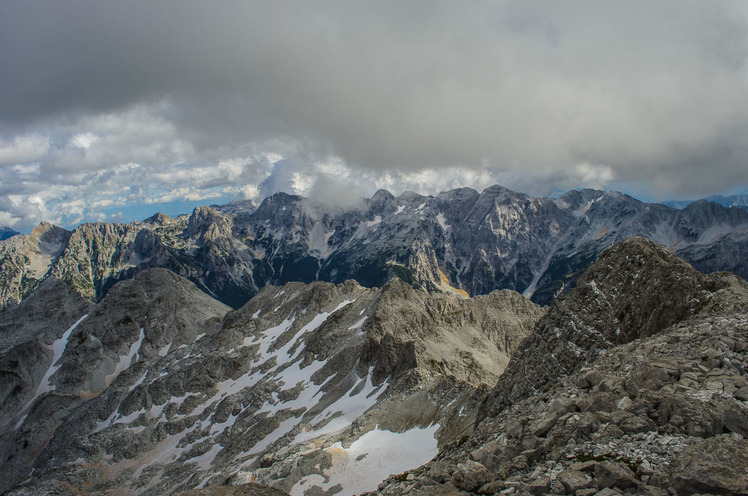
x=458, y=241
x=634, y=381
x=467, y=343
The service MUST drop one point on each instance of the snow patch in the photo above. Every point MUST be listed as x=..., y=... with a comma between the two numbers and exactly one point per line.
x=358, y=324
x=593, y=285
x=58, y=348
x=537, y=274
x=442, y=221
x=127, y=360
x=138, y=382
x=372, y=458
x=362, y=396
x=318, y=239
x=282, y=357
x=377, y=220
x=589, y=204
x=20, y=422
x=268, y=336
x=165, y=350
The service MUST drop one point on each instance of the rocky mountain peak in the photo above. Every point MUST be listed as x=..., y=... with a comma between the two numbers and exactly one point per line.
x=501, y=194
x=25, y=260
x=276, y=202
x=207, y=225
x=47, y=230
x=694, y=218
x=462, y=198
x=51, y=306
x=640, y=288
x=411, y=197
x=158, y=219
x=95, y=253
x=381, y=196
x=239, y=207
x=635, y=289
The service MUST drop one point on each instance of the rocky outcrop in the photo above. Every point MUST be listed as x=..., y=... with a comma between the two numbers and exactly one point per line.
x=25, y=261
x=650, y=399
x=94, y=254
x=659, y=415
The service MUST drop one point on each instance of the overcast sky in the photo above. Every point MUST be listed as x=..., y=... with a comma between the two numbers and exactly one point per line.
x=117, y=109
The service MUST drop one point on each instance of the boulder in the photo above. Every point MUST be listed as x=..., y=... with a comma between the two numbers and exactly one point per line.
x=716, y=465
x=471, y=475
x=612, y=474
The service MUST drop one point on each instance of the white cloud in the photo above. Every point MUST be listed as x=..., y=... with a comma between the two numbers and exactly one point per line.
x=84, y=140
x=7, y=219
x=23, y=149
x=349, y=97
x=184, y=194
x=591, y=175
x=249, y=192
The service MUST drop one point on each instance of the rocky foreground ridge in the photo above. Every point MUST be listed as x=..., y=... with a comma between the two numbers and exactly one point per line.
x=459, y=241
x=308, y=387
x=633, y=383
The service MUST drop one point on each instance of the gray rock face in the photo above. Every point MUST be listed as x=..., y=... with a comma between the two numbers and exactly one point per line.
x=717, y=466
x=641, y=408
x=60, y=353
x=26, y=260
x=458, y=241
x=161, y=388
x=32, y=337
x=636, y=289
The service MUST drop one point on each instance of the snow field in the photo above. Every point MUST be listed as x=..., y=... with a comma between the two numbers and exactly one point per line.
x=372, y=458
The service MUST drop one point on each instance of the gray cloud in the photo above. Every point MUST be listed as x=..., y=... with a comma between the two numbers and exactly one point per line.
x=540, y=95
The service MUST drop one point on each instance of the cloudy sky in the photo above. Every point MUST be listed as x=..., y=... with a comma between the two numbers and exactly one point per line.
x=116, y=110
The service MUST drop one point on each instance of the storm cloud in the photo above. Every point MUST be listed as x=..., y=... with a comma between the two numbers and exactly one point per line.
x=142, y=101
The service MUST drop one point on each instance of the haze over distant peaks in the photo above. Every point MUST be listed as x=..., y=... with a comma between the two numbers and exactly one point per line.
x=726, y=201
